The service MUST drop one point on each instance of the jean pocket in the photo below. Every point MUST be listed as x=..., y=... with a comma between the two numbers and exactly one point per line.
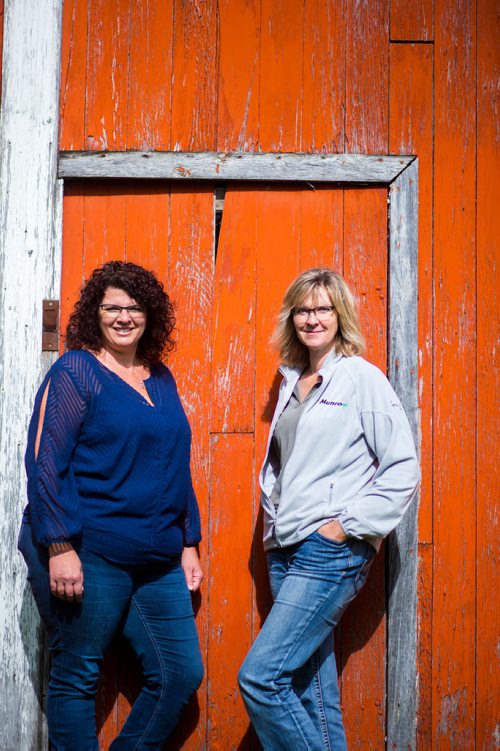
x=362, y=574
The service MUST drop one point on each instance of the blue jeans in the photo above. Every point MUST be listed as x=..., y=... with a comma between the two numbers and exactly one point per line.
x=289, y=678
x=151, y=606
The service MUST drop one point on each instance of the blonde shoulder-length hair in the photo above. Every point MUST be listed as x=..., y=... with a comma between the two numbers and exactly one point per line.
x=348, y=341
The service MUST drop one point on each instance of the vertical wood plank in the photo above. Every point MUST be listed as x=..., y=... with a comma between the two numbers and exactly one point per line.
x=321, y=228
x=488, y=381
x=148, y=225
x=412, y=21
x=73, y=251
x=239, y=68
x=191, y=288
x=365, y=265
x=150, y=54
x=105, y=223
x=411, y=131
x=323, y=77
x=424, y=648
x=30, y=262
x=454, y=596
x=278, y=255
x=363, y=627
x=230, y=608
x=194, y=83
x=403, y=542
x=233, y=359
x=107, y=74
x=280, y=114
x=367, y=56
x=73, y=75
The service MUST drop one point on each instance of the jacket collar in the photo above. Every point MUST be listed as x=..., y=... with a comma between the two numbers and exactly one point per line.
x=293, y=373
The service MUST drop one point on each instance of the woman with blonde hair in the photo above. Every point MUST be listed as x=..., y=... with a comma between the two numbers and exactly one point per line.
x=339, y=473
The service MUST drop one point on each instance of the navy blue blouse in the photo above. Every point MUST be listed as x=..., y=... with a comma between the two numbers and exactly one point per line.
x=112, y=472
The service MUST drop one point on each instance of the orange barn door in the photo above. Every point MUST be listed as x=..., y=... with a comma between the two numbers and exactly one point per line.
x=227, y=294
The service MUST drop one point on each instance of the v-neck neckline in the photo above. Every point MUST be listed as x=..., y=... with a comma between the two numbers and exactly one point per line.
x=143, y=399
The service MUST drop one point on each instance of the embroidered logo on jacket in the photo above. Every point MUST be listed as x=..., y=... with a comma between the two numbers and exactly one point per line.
x=333, y=404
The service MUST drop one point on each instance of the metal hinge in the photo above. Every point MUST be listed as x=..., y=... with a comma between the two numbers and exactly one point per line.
x=50, y=325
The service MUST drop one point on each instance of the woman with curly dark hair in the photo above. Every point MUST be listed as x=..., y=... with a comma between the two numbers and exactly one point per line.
x=111, y=527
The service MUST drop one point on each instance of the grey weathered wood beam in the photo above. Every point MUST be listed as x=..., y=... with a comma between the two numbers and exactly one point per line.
x=30, y=240
x=402, y=698
x=175, y=165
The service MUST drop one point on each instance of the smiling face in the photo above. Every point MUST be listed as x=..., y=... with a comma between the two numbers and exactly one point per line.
x=318, y=334
x=120, y=332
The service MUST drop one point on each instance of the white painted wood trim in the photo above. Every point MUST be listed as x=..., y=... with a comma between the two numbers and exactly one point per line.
x=175, y=165
x=30, y=261
x=402, y=696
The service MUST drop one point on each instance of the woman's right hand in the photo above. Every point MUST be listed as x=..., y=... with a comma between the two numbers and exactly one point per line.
x=66, y=575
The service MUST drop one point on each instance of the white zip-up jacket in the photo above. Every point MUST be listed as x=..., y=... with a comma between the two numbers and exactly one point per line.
x=353, y=459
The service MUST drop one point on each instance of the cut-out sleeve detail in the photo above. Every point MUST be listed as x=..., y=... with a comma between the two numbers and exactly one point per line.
x=54, y=499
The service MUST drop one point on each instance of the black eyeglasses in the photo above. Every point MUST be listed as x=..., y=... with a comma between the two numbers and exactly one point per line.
x=113, y=311
x=322, y=313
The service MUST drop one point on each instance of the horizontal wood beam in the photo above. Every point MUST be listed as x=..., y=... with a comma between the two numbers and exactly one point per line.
x=177, y=165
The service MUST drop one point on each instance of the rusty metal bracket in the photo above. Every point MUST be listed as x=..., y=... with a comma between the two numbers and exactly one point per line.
x=50, y=325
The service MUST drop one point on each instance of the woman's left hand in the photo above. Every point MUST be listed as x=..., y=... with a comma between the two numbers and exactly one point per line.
x=192, y=569
x=334, y=531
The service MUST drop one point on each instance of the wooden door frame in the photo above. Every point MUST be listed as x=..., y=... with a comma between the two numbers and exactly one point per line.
x=399, y=174
x=30, y=264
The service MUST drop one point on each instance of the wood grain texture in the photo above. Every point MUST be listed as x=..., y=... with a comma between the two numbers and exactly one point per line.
x=321, y=228
x=230, y=587
x=148, y=225
x=363, y=627
x=280, y=100
x=30, y=257
x=108, y=39
x=72, y=275
x=403, y=541
x=150, y=76
x=488, y=381
x=233, y=336
x=190, y=285
x=73, y=75
x=424, y=647
x=410, y=126
x=454, y=595
x=194, y=82
x=367, y=85
x=239, y=72
x=270, y=167
x=323, y=78
x=277, y=256
x=412, y=21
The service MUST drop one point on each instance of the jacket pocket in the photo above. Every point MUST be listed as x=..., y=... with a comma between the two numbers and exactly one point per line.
x=333, y=508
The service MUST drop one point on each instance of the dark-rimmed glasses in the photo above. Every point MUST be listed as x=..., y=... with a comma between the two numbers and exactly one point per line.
x=322, y=312
x=113, y=311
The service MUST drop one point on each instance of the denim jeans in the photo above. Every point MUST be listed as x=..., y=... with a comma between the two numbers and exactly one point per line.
x=151, y=606
x=289, y=678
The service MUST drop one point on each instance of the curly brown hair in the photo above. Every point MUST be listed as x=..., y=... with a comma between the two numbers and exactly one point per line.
x=83, y=331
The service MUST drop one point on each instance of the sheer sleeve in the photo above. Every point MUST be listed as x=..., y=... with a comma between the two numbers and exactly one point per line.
x=53, y=496
x=192, y=525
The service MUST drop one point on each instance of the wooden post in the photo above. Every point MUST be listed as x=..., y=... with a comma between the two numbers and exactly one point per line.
x=30, y=240
x=403, y=542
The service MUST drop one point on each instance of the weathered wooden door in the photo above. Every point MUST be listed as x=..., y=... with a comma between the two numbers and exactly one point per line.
x=227, y=286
